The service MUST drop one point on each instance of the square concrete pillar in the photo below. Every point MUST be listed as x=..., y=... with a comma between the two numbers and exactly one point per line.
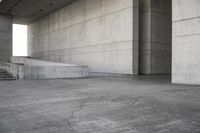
x=186, y=42
x=155, y=36
x=5, y=37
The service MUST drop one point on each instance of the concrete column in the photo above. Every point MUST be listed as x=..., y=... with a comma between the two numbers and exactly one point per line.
x=5, y=37
x=186, y=42
x=155, y=36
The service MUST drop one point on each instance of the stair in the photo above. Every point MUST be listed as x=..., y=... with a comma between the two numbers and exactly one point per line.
x=4, y=75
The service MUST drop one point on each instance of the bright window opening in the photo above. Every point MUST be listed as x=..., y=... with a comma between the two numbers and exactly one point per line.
x=19, y=40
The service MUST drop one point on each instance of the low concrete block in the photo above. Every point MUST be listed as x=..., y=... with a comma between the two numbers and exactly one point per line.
x=38, y=69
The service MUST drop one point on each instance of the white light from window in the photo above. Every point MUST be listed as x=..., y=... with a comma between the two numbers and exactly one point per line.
x=19, y=40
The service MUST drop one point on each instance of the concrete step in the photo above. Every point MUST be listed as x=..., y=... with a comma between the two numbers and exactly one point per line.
x=3, y=79
x=2, y=71
x=4, y=75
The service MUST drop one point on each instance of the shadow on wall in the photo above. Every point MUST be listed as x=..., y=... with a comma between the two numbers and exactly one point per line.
x=155, y=36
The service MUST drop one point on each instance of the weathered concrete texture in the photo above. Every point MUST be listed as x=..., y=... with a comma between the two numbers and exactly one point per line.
x=99, y=105
x=186, y=38
x=155, y=36
x=5, y=75
x=5, y=37
x=16, y=70
x=96, y=33
x=38, y=69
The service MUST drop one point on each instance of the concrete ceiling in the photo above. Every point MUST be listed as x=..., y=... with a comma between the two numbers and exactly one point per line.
x=27, y=11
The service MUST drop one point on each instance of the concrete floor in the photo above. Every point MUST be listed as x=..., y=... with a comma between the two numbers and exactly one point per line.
x=99, y=105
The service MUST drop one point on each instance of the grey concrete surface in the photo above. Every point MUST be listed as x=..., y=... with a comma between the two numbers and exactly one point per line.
x=99, y=105
x=16, y=70
x=5, y=75
x=96, y=33
x=27, y=11
x=35, y=62
x=186, y=38
x=31, y=69
x=54, y=72
x=155, y=36
x=5, y=37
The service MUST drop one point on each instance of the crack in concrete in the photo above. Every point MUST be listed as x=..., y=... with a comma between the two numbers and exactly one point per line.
x=73, y=112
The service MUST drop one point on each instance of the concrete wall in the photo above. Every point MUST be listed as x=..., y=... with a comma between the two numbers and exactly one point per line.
x=186, y=42
x=5, y=37
x=155, y=36
x=101, y=34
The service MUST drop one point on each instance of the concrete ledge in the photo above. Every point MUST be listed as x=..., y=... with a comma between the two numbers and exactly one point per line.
x=96, y=74
x=35, y=62
x=54, y=72
x=38, y=69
